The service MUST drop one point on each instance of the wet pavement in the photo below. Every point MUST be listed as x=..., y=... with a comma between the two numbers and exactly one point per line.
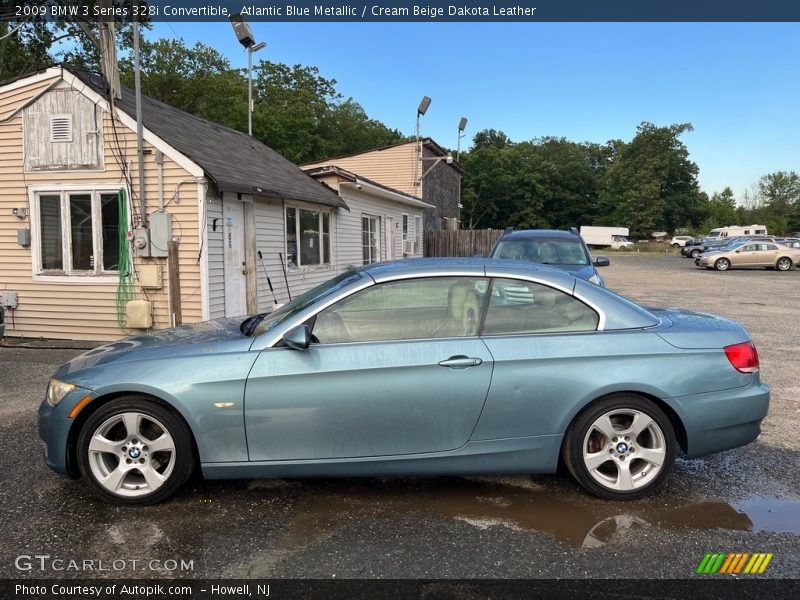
x=743, y=500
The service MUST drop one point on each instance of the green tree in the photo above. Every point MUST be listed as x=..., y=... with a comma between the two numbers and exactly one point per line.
x=651, y=184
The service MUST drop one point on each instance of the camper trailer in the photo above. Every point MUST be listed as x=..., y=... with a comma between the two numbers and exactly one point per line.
x=737, y=231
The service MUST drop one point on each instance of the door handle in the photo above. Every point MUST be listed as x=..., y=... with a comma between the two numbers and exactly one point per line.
x=460, y=362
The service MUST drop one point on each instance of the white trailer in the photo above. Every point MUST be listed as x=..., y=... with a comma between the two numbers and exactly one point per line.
x=738, y=230
x=602, y=237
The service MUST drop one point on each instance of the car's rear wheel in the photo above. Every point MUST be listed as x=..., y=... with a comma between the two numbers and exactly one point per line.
x=620, y=448
x=135, y=451
x=722, y=264
x=695, y=253
x=784, y=263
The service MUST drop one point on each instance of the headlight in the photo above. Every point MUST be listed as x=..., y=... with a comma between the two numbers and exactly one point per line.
x=56, y=390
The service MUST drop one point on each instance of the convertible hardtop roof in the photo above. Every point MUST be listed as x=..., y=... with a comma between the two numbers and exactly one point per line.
x=468, y=266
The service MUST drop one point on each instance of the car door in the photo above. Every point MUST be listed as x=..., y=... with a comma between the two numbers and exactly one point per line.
x=747, y=256
x=398, y=368
x=766, y=256
x=546, y=351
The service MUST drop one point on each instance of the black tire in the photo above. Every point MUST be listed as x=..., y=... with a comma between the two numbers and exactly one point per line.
x=784, y=264
x=722, y=264
x=675, y=245
x=579, y=429
x=181, y=458
x=695, y=253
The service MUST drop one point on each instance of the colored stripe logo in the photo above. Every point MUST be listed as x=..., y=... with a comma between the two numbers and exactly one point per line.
x=734, y=563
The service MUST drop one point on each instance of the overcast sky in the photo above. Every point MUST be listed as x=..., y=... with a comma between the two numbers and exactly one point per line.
x=738, y=84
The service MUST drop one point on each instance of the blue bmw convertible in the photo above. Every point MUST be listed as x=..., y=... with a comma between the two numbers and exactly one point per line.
x=429, y=366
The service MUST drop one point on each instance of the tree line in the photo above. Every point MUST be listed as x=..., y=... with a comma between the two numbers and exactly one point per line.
x=647, y=184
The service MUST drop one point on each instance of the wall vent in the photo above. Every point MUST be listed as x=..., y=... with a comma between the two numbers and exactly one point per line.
x=61, y=128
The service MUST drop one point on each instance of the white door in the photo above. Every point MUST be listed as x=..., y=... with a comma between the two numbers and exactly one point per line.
x=390, y=238
x=235, y=286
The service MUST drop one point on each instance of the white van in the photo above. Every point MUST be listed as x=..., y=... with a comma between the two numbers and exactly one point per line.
x=736, y=231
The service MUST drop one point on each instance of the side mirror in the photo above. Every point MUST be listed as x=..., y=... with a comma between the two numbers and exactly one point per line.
x=602, y=261
x=298, y=338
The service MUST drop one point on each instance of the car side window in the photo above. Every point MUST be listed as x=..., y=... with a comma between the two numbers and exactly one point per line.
x=435, y=307
x=750, y=248
x=517, y=307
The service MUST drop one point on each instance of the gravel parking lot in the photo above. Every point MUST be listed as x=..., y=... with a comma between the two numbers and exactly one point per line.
x=742, y=500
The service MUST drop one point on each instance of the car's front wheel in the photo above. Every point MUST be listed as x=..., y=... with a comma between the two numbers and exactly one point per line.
x=695, y=253
x=133, y=450
x=620, y=448
x=722, y=264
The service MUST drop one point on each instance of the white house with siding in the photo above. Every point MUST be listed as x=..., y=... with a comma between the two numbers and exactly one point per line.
x=222, y=212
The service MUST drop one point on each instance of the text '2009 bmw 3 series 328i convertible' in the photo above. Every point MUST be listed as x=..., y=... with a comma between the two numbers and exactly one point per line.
x=415, y=367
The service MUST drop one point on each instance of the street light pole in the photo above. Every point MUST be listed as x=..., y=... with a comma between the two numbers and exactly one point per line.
x=252, y=49
x=250, y=91
x=245, y=36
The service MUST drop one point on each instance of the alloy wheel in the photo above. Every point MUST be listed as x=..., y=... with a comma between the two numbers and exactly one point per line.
x=624, y=449
x=131, y=454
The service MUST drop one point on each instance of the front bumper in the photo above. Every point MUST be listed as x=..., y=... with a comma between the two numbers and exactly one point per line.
x=717, y=421
x=54, y=429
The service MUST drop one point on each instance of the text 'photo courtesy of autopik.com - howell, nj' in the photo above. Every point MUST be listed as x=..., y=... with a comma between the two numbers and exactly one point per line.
x=353, y=299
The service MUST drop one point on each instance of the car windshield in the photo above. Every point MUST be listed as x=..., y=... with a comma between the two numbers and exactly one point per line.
x=266, y=322
x=544, y=250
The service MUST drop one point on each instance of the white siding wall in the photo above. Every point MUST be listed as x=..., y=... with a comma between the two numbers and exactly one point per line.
x=270, y=236
x=349, y=227
x=271, y=240
x=216, y=264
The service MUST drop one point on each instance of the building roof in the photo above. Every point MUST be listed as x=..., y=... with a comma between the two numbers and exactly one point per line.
x=397, y=195
x=233, y=160
x=426, y=143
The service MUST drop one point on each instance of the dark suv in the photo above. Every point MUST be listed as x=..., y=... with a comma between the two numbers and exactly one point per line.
x=565, y=250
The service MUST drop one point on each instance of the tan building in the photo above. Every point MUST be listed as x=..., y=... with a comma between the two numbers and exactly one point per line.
x=422, y=169
x=219, y=214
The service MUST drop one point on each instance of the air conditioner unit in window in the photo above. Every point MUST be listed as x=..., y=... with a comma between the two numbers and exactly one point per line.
x=408, y=247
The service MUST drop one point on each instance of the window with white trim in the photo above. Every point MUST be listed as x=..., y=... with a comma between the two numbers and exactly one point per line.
x=405, y=227
x=417, y=234
x=77, y=232
x=308, y=237
x=370, y=239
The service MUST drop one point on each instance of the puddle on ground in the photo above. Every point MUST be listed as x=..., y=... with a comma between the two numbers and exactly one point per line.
x=571, y=518
x=771, y=514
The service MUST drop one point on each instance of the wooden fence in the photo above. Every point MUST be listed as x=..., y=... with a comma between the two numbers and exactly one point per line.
x=463, y=242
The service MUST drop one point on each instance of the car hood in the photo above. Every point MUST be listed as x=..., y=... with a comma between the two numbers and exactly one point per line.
x=221, y=335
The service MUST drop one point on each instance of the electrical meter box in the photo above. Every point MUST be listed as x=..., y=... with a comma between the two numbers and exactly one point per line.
x=141, y=242
x=160, y=233
x=8, y=299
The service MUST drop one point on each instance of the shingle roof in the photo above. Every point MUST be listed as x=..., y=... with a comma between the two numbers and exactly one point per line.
x=235, y=161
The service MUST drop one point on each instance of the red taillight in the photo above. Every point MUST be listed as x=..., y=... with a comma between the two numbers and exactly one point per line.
x=743, y=357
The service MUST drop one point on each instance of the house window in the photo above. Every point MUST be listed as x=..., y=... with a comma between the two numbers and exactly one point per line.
x=417, y=234
x=370, y=228
x=78, y=232
x=405, y=227
x=308, y=237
